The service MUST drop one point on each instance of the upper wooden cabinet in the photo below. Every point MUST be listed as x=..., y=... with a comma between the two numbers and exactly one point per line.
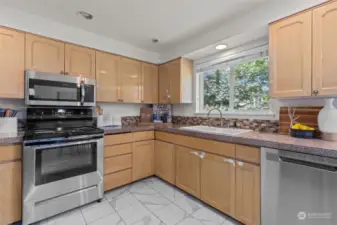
x=143, y=159
x=165, y=161
x=324, y=54
x=44, y=54
x=149, y=87
x=290, y=56
x=248, y=193
x=188, y=170
x=175, y=81
x=12, y=48
x=218, y=183
x=80, y=61
x=130, y=72
x=107, y=76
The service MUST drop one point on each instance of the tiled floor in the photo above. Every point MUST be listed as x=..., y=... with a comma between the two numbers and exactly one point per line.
x=147, y=202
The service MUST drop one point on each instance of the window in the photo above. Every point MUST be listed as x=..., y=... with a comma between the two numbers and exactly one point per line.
x=239, y=84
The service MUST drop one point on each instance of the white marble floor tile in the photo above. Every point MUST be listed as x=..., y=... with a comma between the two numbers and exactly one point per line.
x=209, y=216
x=167, y=190
x=169, y=214
x=230, y=221
x=117, y=192
x=96, y=211
x=73, y=217
x=111, y=219
x=133, y=213
x=141, y=188
x=189, y=204
x=153, y=199
x=149, y=219
x=123, y=201
x=190, y=221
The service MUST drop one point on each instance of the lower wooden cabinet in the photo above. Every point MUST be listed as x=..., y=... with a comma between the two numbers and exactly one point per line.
x=188, y=170
x=218, y=183
x=10, y=192
x=247, y=193
x=143, y=159
x=165, y=161
x=117, y=179
x=118, y=163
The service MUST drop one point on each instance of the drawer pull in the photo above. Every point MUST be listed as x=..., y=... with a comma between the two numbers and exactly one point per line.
x=240, y=164
x=231, y=161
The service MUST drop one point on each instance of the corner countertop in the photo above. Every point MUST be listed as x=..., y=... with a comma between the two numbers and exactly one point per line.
x=268, y=140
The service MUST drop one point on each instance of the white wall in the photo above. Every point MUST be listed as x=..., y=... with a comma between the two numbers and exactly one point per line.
x=257, y=19
x=30, y=23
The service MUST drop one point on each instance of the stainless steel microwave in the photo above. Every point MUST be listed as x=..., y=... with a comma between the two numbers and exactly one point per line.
x=59, y=90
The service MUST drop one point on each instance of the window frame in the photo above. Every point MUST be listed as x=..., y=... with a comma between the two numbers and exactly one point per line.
x=233, y=60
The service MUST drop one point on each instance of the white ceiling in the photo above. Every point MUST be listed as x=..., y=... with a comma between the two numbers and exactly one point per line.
x=136, y=22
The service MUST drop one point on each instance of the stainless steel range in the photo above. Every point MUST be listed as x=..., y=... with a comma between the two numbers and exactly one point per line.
x=62, y=158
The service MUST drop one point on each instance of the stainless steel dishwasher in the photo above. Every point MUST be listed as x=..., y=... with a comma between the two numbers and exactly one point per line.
x=298, y=189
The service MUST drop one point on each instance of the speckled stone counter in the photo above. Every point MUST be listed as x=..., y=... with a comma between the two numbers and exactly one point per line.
x=11, y=140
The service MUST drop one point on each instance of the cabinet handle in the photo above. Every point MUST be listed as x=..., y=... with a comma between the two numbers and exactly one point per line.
x=240, y=164
x=315, y=92
x=195, y=153
x=202, y=155
x=231, y=161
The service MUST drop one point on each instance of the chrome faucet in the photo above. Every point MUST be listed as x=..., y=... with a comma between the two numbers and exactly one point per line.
x=209, y=119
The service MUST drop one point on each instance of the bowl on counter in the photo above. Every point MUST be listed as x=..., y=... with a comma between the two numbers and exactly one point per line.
x=309, y=134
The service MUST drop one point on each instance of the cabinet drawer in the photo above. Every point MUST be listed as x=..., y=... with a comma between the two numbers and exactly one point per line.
x=248, y=153
x=117, y=179
x=115, y=150
x=117, y=139
x=10, y=152
x=141, y=136
x=117, y=163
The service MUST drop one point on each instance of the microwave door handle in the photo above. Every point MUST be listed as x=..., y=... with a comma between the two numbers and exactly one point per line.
x=48, y=146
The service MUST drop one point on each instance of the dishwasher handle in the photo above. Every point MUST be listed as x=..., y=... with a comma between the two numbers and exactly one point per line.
x=314, y=165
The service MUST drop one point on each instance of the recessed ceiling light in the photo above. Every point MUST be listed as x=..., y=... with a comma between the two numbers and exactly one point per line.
x=220, y=47
x=85, y=15
x=155, y=40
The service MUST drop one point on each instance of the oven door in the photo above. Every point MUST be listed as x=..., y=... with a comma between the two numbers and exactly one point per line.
x=60, y=90
x=52, y=170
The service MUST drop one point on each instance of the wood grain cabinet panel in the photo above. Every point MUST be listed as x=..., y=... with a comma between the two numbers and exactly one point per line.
x=117, y=139
x=12, y=63
x=218, y=183
x=107, y=76
x=118, y=179
x=188, y=170
x=149, y=83
x=324, y=54
x=164, y=85
x=143, y=159
x=115, y=150
x=290, y=52
x=165, y=161
x=248, y=193
x=247, y=153
x=80, y=61
x=130, y=72
x=174, y=73
x=143, y=136
x=10, y=153
x=44, y=54
x=117, y=163
x=10, y=192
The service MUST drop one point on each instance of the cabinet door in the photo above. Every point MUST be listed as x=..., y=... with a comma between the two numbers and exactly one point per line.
x=149, y=83
x=10, y=192
x=324, y=54
x=129, y=78
x=174, y=73
x=12, y=48
x=164, y=85
x=106, y=76
x=218, y=183
x=290, y=56
x=188, y=170
x=143, y=159
x=43, y=54
x=165, y=161
x=248, y=193
x=79, y=61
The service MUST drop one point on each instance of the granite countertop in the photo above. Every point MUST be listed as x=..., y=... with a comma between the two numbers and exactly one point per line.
x=268, y=140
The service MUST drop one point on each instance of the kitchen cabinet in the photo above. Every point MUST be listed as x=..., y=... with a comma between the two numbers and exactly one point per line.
x=248, y=194
x=175, y=81
x=44, y=54
x=149, y=87
x=107, y=76
x=118, y=179
x=165, y=161
x=130, y=72
x=117, y=163
x=12, y=48
x=290, y=55
x=324, y=54
x=80, y=61
x=188, y=170
x=143, y=159
x=218, y=183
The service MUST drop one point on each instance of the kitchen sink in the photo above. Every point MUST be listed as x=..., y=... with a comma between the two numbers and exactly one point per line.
x=216, y=130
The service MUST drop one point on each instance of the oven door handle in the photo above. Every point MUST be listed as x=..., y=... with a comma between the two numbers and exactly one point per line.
x=82, y=93
x=47, y=146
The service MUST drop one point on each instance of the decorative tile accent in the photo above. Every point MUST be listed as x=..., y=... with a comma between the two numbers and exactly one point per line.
x=269, y=126
x=130, y=120
x=163, y=108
